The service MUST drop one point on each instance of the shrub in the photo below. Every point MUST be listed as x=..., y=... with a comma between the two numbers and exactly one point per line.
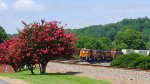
x=144, y=64
x=125, y=60
x=132, y=60
x=136, y=62
x=76, y=57
x=118, y=60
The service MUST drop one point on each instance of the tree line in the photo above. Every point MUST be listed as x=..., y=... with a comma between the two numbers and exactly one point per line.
x=128, y=33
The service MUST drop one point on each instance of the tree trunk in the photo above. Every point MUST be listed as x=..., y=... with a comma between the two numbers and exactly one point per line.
x=15, y=69
x=40, y=67
x=31, y=69
x=43, y=68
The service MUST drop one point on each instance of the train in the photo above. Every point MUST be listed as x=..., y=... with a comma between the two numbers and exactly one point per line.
x=90, y=54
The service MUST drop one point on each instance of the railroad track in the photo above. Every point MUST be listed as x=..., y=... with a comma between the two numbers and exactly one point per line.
x=79, y=62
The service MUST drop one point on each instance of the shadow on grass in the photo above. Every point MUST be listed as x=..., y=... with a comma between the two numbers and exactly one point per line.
x=24, y=70
x=67, y=73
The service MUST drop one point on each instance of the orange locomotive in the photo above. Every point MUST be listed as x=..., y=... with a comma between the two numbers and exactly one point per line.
x=86, y=54
x=89, y=54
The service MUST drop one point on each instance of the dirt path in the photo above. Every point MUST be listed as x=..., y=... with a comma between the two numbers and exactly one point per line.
x=13, y=80
x=114, y=76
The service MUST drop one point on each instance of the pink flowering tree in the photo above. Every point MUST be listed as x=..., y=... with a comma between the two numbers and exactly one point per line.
x=14, y=56
x=10, y=53
x=45, y=41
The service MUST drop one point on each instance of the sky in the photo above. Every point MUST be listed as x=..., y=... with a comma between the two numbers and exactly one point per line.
x=74, y=13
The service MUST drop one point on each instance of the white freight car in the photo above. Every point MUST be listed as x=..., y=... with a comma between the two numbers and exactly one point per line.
x=142, y=52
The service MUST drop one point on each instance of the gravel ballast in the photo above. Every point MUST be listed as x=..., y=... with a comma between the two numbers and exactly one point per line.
x=113, y=75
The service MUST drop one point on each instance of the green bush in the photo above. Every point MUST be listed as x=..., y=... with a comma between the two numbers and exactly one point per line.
x=76, y=57
x=125, y=60
x=136, y=62
x=117, y=61
x=132, y=60
x=145, y=64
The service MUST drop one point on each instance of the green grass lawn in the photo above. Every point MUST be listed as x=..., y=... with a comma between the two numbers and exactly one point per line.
x=52, y=78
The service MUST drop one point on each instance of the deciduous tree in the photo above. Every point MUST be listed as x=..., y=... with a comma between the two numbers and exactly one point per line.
x=130, y=39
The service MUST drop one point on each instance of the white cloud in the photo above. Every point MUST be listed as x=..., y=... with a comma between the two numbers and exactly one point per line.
x=28, y=5
x=3, y=6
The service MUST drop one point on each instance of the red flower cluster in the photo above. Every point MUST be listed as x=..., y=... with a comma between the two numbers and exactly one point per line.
x=10, y=53
x=2, y=53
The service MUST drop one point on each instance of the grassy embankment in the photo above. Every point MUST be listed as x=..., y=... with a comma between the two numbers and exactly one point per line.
x=52, y=78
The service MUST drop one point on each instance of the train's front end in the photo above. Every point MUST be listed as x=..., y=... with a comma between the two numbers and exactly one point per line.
x=83, y=54
x=86, y=54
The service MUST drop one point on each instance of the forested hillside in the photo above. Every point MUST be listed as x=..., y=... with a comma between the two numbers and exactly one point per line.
x=111, y=30
x=128, y=33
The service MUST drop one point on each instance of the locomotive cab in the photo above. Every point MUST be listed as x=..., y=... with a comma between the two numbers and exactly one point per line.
x=86, y=54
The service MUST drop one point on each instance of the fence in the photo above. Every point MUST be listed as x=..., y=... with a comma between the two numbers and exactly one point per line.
x=6, y=69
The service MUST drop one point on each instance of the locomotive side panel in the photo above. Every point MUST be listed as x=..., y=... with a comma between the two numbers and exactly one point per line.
x=107, y=55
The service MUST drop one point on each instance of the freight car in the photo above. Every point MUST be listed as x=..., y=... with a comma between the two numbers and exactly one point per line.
x=89, y=54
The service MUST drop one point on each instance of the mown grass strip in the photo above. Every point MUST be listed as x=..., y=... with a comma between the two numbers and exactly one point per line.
x=52, y=78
